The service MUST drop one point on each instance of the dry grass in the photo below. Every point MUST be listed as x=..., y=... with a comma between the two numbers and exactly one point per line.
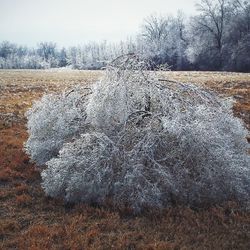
x=29, y=220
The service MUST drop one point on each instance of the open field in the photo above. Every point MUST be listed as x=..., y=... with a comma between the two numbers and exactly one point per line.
x=29, y=220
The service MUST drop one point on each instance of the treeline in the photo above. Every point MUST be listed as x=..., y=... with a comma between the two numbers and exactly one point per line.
x=217, y=38
x=48, y=55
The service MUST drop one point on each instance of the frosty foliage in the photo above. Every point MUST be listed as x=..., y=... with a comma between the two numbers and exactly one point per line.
x=140, y=140
x=54, y=120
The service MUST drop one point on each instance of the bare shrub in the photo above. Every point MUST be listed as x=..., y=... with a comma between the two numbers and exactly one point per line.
x=148, y=143
x=83, y=171
x=54, y=120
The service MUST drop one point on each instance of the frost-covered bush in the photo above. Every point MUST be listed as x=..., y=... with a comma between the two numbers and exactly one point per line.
x=145, y=142
x=54, y=120
x=83, y=170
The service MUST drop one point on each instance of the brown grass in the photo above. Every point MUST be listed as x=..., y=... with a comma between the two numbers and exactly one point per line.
x=30, y=220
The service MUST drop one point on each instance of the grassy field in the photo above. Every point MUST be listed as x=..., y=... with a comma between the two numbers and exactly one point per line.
x=29, y=220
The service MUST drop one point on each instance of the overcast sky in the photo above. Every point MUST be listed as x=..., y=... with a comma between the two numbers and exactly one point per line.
x=72, y=22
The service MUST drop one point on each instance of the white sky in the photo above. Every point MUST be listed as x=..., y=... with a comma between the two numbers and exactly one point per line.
x=72, y=22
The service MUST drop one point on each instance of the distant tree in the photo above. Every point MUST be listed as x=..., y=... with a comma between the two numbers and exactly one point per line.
x=75, y=57
x=155, y=32
x=62, y=58
x=46, y=50
x=219, y=36
x=208, y=32
x=6, y=49
x=164, y=40
x=179, y=41
x=237, y=49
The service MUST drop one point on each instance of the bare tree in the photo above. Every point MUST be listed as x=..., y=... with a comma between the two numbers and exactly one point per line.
x=46, y=49
x=212, y=20
x=155, y=28
x=165, y=39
